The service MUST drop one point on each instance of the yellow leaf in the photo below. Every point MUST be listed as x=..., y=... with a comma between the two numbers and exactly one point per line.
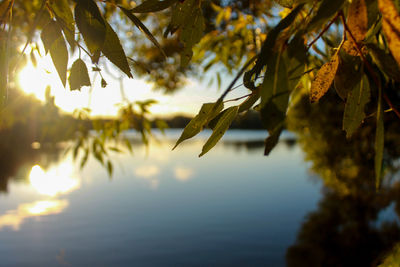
x=324, y=79
x=391, y=26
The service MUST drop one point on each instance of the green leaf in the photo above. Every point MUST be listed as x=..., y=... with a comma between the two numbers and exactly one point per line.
x=325, y=11
x=272, y=140
x=379, y=141
x=153, y=6
x=274, y=93
x=355, y=105
x=249, y=102
x=79, y=75
x=53, y=41
x=91, y=25
x=191, y=33
x=207, y=112
x=143, y=28
x=109, y=168
x=65, y=18
x=285, y=3
x=222, y=126
x=113, y=50
x=385, y=62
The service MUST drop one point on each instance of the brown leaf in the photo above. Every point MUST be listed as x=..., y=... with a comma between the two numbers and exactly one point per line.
x=391, y=26
x=357, y=19
x=324, y=79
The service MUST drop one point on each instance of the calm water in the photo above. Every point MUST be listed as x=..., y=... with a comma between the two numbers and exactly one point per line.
x=232, y=207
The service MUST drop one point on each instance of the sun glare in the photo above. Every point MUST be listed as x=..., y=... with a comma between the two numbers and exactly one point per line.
x=55, y=181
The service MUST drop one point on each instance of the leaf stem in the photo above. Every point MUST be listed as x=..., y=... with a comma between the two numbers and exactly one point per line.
x=323, y=31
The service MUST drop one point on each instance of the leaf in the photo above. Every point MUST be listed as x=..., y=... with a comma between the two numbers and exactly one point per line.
x=268, y=45
x=65, y=18
x=274, y=93
x=354, y=110
x=207, y=112
x=113, y=50
x=272, y=140
x=391, y=26
x=385, y=62
x=325, y=11
x=220, y=129
x=347, y=75
x=324, y=79
x=191, y=33
x=109, y=168
x=143, y=28
x=357, y=19
x=91, y=25
x=54, y=42
x=153, y=6
x=79, y=75
x=285, y=3
x=379, y=141
x=249, y=102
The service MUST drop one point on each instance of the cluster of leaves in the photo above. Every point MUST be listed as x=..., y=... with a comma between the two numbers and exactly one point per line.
x=352, y=46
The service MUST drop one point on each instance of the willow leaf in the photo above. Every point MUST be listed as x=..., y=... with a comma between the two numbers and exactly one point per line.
x=354, y=110
x=208, y=111
x=142, y=28
x=379, y=141
x=222, y=126
x=153, y=6
x=391, y=26
x=324, y=79
x=64, y=16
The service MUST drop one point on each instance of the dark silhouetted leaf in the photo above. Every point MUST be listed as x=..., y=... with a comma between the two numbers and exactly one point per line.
x=222, y=126
x=379, y=141
x=103, y=83
x=53, y=41
x=347, y=75
x=91, y=25
x=79, y=75
x=354, y=110
x=272, y=140
x=205, y=115
x=113, y=50
x=324, y=79
x=153, y=6
x=143, y=28
x=326, y=10
x=385, y=62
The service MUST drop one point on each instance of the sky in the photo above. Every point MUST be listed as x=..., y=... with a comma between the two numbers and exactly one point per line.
x=103, y=102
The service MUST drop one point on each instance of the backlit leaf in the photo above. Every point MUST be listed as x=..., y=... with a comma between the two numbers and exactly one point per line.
x=207, y=112
x=391, y=26
x=113, y=50
x=153, y=6
x=324, y=79
x=249, y=102
x=91, y=25
x=54, y=42
x=354, y=110
x=222, y=126
x=143, y=28
x=65, y=19
x=79, y=75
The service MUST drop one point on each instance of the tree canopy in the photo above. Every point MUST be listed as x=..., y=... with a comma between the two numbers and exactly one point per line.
x=281, y=50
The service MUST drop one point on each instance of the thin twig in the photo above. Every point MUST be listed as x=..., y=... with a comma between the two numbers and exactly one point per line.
x=238, y=98
x=323, y=31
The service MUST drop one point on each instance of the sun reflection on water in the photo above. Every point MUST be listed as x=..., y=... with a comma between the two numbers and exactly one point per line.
x=57, y=180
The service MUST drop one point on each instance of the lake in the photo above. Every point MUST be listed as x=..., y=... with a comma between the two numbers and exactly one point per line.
x=231, y=207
